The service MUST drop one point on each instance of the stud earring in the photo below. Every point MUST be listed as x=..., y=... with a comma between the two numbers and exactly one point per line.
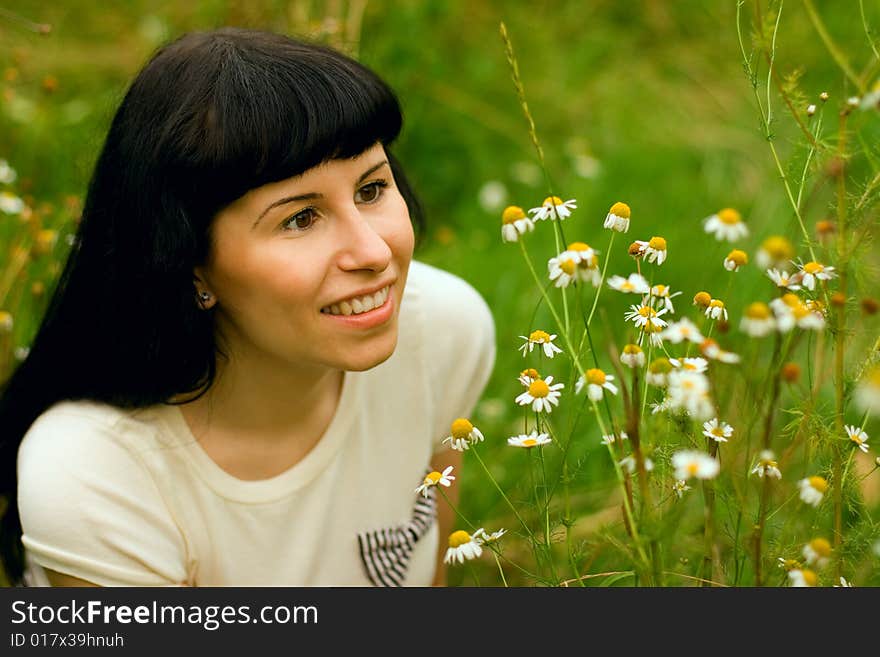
x=205, y=296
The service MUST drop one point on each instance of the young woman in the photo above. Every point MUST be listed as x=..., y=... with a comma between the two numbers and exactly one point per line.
x=242, y=376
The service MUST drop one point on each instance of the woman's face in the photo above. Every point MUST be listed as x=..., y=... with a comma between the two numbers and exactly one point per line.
x=284, y=271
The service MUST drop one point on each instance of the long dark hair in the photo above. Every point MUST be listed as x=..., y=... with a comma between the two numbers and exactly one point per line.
x=209, y=117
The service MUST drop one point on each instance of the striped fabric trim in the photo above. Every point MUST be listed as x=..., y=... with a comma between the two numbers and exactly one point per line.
x=386, y=552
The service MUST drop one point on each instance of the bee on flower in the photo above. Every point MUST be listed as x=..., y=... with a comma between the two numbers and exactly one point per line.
x=717, y=430
x=462, y=547
x=482, y=538
x=867, y=394
x=693, y=463
x=767, y=465
x=10, y=203
x=716, y=310
x=817, y=552
x=784, y=279
x=618, y=217
x=629, y=464
x=632, y=356
x=541, y=395
x=645, y=317
x=654, y=250
x=775, y=251
x=634, y=284
x=554, y=207
x=803, y=577
x=637, y=249
x=514, y=223
x=812, y=489
x=679, y=487
x=663, y=294
x=710, y=349
x=463, y=435
x=435, y=478
x=610, y=439
x=726, y=224
x=595, y=380
x=658, y=372
x=735, y=259
x=695, y=364
x=542, y=338
x=858, y=436
x=533, y=439
x=683, y=329
x=757, y=320
x=527, y=376
x=813, y=271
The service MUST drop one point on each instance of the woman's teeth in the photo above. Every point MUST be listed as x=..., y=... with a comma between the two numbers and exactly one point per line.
x=357, y=305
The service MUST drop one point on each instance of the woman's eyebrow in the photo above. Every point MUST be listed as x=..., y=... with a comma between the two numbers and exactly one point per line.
x=312, y=195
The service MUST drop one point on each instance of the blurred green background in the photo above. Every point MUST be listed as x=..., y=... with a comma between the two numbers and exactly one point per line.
x=644, y=102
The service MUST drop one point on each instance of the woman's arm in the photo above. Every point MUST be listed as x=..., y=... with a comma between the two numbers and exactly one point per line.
x=445, y=514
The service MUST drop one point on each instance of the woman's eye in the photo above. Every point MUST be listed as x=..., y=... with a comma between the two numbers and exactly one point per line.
x=372, y=191
x=300, y=221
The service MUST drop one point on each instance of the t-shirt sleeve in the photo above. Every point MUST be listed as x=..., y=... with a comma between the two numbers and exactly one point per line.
x=461, y=349
x=90, y=508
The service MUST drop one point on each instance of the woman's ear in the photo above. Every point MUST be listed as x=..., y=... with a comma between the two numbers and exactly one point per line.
x=204, y=297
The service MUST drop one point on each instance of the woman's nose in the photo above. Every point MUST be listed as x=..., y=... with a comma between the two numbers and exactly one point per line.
x=363, y=245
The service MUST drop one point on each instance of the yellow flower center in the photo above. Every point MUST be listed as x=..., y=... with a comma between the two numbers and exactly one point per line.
x=539, y=388
x=660, y=366
x=716, y=303
x=758, y=310
x=717, y=431
x=568, y=267
x=595, y=376
x=632, y=349
x=459, y=538
x=461, y=428
x=432, y=478
x=857, y=438
x=778, y=247
x=810, y=577
x=578, y=246
x=818, y=483
x=800, y=311
x=660, y=291
x=689, y=366
x=657, y=243
x=531, y=372
x=626, y=285
x=702, y=299
x=620, y=209
x=539, y=337
x=529, y=442
x=692, y=468
x=551, y=201
x=512, y=213
x=647, y=311
x=5, y=319
x=738, y=257
x=791, y=300
x=821, y=547
x=729, y=216
x=813, y=268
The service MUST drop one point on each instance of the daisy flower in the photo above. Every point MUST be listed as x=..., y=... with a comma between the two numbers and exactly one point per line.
x=843, y=583
x=727, y=224
x=618, y=217
x=664, y=294
x=767, y=465
x=702, y=299
x=692, y=463
x=463, y=435
x=788, y=564
x=462, y=547
x=813, y=271
x=802, y=577
x=817, y=552
x=859, y=437
x=629, y=464
x=541, y=395
x=716, y=310
x=679, y=488
x=10, y=203
x=775, y=251
x=656, y=250
x=595, y=380
x=813, y=489
x=634, y=284
x=562, y=269
x=689, y=391
x=632, y=356
x=554, y=207
x=482, y=538
x=610, y=439
x=710, y=349
x=533, y=439
x=695, y=364
x=735, y=259
x=658, y=371
x=542, y=338
x=514, y=223
x=717, y=430
x=436, y=479
x=527, y=376
x=784, y=279
x=757, y=320
x=7, y=173
x=6, y=321
x=867, y=394
x=645, y=317
x=582, y=253
x=683, y=329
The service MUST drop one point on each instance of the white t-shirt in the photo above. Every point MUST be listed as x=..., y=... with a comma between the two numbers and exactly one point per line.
x=129, y=498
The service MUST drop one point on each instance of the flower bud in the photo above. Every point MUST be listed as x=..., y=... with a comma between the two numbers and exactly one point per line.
x=791, y=372
x=870, y=306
